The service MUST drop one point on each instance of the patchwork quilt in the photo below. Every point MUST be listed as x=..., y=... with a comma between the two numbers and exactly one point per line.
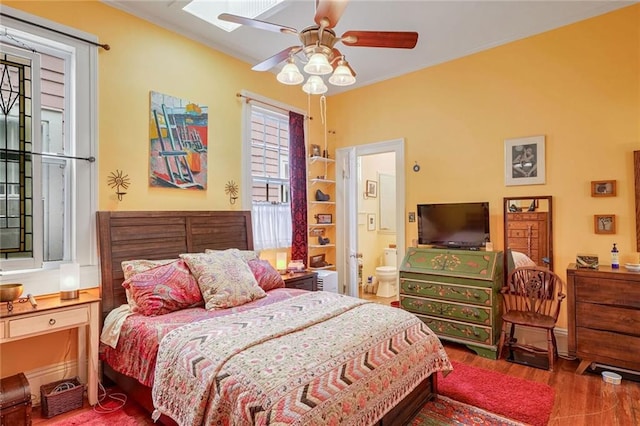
x=320, y=358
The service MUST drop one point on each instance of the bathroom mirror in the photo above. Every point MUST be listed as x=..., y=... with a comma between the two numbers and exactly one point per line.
x=387, y=203
x=528, y=230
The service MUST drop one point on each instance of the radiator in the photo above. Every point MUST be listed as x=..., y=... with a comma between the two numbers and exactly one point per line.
x=328, y=281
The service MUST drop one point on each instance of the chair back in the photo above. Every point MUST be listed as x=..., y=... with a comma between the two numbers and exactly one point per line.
x=534, y=289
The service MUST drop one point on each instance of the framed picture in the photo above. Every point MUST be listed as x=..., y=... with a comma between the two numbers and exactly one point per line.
x=315, y=150
x=371, y=222
x=524, y=161
x=371, y=189
x=324, y=218
x=604, y=223
x=603, y=188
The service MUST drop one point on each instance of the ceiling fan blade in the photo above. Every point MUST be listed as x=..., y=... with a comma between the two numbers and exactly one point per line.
x=394, y=39
x=334, y=64
x=328, y=12
x=271, y=62
x=255, y=23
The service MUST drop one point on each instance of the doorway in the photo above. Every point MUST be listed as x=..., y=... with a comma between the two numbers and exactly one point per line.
x=358, y=210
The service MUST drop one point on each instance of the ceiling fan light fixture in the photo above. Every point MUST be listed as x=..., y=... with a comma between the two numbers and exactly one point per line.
x=318, y=65
x=342, y=75
x=315, y=86
x=290, y=74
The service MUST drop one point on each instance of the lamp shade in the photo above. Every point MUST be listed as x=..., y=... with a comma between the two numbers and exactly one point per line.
x=290, y=74
x=318, y=65
x=315, y=86
x=69, y=281
x=281, y=261
x=342, y=76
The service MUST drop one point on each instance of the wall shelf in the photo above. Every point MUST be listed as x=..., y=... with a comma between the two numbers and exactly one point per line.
x=316, y=180
x=321, y=160
x=321, y=245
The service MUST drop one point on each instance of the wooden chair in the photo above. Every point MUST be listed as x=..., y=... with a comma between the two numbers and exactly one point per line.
x=532, y=298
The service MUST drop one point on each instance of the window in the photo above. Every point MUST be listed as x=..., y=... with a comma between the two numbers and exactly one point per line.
x=47, y=200
x=266, y=163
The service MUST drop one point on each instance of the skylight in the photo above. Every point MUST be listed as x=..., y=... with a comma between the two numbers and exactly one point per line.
x=209, y=10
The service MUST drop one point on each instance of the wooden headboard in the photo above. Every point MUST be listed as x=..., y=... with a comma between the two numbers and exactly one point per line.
x=162, y=235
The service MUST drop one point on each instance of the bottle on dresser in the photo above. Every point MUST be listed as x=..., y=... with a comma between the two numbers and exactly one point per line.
x=615, y=257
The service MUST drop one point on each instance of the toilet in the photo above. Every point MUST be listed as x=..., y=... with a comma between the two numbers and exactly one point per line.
x=388, y=274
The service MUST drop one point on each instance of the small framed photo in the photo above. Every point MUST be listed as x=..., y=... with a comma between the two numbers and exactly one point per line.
x=315, y=151
x=371, y=222
x=604, y=223
x=324, y=218
x=603, y=188
x=524, y=161
x=371, y=189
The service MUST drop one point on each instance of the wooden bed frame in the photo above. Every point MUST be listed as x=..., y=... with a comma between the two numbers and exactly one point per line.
x=166, y=234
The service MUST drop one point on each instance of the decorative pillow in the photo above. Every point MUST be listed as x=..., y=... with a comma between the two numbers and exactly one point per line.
x=266, y=275
x=224, y=278
x=132, y=267
x=247, y=255
x=163, y=289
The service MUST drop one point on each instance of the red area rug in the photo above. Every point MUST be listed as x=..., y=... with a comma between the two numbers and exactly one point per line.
x=443, y=411
x=517, y=399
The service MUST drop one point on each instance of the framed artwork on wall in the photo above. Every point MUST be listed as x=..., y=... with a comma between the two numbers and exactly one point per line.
x=524, y=161
x=371, y=189
x=324, y=218
x=604, y=223
x=603, y=188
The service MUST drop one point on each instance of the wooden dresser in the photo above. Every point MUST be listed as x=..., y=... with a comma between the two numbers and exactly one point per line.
x=603, y=308
x=528, y=233
x=456, y=293
x=306, y=280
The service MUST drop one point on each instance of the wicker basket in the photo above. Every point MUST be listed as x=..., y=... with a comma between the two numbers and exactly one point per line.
x=61, y=396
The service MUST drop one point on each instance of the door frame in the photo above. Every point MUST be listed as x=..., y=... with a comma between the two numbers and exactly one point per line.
x=347, y=207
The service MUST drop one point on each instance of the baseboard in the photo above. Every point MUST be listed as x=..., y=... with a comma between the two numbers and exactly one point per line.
x=538, y=337
x=48, y=374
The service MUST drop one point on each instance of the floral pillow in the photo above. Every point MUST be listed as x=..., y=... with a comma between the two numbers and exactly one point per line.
x=224, y=278
x=247, y=255
x=132, y=267
x=266, y=275
x=163, y=289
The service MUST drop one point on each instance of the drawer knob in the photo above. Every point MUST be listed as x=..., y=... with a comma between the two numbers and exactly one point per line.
x=52, y=321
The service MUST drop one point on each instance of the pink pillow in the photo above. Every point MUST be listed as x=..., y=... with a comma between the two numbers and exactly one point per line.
x=266, y=275
x=166, y=288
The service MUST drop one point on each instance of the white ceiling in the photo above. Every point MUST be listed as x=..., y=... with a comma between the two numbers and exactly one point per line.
x=447, y=29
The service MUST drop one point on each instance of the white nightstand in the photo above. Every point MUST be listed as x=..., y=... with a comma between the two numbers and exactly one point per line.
x=53, y=314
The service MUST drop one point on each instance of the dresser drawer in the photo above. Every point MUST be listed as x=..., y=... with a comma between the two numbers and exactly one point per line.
x=457, y=281
x=602, y=317
x=449, y=310
x=56, y=320
x=453, y=292
x=597, y=343
x=458, y=331
x=607, y=291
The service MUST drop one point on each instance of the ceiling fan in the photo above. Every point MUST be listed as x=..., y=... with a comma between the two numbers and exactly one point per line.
x=318, y=46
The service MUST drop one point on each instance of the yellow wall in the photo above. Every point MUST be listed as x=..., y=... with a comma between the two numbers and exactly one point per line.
x=578, y=85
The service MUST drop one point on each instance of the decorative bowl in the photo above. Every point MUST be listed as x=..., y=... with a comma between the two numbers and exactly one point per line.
x=633, y=267
x=10, y=292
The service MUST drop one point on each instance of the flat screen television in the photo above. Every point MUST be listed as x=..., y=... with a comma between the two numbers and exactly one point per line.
x=456, y=225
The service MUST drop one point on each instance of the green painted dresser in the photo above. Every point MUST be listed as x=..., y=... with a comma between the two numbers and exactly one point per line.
x=456, y=293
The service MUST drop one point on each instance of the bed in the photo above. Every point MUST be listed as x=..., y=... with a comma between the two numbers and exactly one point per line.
x=180, y=339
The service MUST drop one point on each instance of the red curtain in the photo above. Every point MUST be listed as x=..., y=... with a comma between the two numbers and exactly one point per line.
x=298, y=185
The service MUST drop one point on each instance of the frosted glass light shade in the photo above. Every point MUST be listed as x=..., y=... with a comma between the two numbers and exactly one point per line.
x=318, y=65
x=69, y=281
x=315, y=86
x=290, y=74
x=342, y=76
x=281, y=261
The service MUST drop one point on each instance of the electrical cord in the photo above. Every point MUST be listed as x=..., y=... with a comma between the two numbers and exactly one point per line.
x=100, y=408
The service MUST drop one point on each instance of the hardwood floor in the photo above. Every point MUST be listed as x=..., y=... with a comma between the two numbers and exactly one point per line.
x=581, y=400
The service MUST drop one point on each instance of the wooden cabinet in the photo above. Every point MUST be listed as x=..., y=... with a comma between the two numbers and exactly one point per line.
x=528, y=233
x=301, y=280
x=604, y=316
x=456, y=293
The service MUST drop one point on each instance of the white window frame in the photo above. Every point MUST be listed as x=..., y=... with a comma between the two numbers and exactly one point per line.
x=81, y=128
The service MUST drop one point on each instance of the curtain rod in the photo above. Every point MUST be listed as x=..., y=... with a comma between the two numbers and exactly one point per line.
x=24, y=21
x=91, y=159
x=248, y=99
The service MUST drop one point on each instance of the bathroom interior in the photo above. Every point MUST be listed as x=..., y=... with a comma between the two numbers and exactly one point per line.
x=378, y=275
